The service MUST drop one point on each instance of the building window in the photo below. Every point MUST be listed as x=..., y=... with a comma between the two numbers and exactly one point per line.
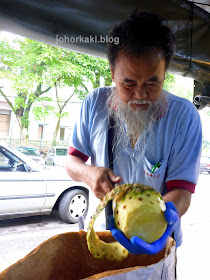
x=62, y=133
x=4, y=125
x=40, y=131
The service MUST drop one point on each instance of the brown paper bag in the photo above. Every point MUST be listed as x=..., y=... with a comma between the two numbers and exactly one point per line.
x=66, y=256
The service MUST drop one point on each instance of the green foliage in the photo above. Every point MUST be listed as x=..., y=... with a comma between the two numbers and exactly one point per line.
x=179, y=87
x=19, y=102
x=25, y=121
x=34, y=68
x=40, y=112
x=169, y=82
x=205, y=147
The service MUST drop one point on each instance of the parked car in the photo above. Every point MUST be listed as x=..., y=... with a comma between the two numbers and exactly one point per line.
x=33, y=153
x=205, y=164
x=28, y=188
x=56, y=156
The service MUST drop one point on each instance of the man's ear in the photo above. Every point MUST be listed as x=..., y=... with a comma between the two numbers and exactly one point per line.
x=112, y=72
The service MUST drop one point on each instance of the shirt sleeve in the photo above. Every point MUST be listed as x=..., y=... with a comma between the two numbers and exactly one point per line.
x=72, y=151
x=184, y=159
x=81, y=134
x=180, y=184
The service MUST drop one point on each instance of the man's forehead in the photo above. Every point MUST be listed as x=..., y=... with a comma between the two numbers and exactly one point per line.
x=146, y=68
x=152, y=79
x=151, y=57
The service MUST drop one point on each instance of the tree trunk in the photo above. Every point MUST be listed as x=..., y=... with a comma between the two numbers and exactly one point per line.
x=55, y=133
x=96, y=81
x=24, y=137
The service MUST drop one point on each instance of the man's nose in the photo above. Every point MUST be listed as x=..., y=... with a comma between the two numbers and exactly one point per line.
x=140, y=93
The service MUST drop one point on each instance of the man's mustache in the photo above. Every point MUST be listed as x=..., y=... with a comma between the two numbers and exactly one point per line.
x=140, y=102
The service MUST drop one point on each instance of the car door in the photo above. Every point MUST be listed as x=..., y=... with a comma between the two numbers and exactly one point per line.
x=20, y=191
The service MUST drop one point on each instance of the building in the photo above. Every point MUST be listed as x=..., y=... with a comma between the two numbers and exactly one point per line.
x=40, y=131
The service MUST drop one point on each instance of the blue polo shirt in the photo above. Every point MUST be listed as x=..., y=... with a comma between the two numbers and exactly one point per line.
x=176, y=144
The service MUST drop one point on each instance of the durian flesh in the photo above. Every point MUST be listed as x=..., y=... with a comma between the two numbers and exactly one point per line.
x=139, y=211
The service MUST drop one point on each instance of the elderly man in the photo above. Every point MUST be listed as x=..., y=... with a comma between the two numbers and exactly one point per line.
x=157, y=135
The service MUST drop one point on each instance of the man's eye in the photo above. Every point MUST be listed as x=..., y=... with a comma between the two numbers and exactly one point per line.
x=129, y=85
x=151, y=84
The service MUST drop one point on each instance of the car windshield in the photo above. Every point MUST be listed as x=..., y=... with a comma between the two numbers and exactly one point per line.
x=29, y=151
x=35, y=166
x=61, y=151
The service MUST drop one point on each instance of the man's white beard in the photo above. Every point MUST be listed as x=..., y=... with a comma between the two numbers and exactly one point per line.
x=130, y=124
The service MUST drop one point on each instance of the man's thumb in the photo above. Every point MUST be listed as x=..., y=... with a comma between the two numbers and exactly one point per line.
x=114, y=178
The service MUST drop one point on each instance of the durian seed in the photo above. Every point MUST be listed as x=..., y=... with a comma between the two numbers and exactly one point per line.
x=140, y=198
x=151, y=202
x=117, y=212
x=115, y=248
x=148, y=194
x=124, y=206
x=130, y=197
x=118, y=223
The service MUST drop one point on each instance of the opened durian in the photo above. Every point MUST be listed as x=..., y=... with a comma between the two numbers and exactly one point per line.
x=139, y=211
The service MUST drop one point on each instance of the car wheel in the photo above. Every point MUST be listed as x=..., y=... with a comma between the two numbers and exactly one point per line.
x=73, y=205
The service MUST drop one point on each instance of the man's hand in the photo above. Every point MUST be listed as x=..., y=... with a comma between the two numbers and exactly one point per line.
x=136, y=245
x=101, y=180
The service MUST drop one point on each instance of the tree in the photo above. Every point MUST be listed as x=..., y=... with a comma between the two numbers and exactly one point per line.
x=205, y=146
x=94, y=69
x=169, y=82
x=57, y=112
x=100, y=68
x=34, y=68
x=21, y=67
x=173, y=84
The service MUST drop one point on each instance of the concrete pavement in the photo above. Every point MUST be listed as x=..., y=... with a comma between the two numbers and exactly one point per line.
x=193, y=255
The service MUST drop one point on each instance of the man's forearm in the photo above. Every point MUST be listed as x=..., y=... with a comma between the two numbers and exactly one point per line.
x=181, y=198
x=76, y=168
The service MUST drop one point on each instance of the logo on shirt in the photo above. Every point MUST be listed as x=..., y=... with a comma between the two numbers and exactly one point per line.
x=150, y=175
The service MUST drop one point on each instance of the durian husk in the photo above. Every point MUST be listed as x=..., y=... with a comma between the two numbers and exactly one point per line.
x=127, y=221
